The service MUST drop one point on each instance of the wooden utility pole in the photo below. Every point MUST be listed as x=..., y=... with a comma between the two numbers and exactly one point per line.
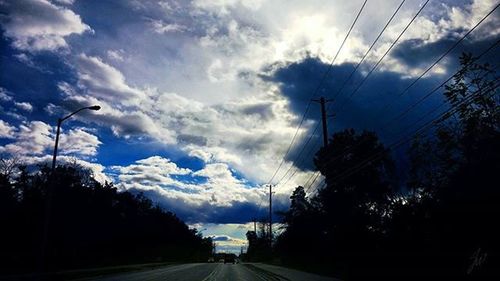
x=322, y=101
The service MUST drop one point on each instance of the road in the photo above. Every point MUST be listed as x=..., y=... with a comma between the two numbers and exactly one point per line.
x=216, y=271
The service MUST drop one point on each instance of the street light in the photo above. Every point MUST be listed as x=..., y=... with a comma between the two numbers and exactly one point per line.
x=59, y=121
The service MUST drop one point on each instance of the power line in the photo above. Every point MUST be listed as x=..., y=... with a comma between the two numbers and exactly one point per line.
x=319, y=186
x=426, y=96
x=430, y=112
x=433, y=110
x=374, y=157
x=414, y=82
x=421, y=129
x=314, y=180
x=441, y=57
x=434, y=90
x=325, y=75
x=418, y=102
x=369, y=49
x=383, y=56
x=296, y=169
x=346, y=81
x=313, y=94
x=280, y=181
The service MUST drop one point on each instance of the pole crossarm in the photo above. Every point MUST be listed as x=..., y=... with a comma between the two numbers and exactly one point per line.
x=319, y=100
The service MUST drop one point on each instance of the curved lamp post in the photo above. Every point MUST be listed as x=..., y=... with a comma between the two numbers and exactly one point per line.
x=59, y=122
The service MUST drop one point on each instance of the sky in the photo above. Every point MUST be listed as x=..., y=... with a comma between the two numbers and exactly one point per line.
x=201, y=99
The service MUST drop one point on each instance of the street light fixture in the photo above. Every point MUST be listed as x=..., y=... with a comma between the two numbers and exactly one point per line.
x=59, y=122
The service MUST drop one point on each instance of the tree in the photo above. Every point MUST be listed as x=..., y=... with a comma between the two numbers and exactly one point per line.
x=335, y=228
x=352, y=204
x=455, y=170
x=301, y=225
x=298, y=207
x=90, y=224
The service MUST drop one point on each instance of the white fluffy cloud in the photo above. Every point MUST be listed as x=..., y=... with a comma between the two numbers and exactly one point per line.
x=159, y=26
x=67, y=2
x=6, y=130
x=154, y=170
x=39, y=25
x=32, y=138
x=218, y=173
x=26, y=106
x=79, y=142
x=36, y=138
x=33, y=143
x=124, y=108
x=4, y=96
x=116, y=55
x=242, y=133
x=214, y=185
x=248, y=35
x=105, y=82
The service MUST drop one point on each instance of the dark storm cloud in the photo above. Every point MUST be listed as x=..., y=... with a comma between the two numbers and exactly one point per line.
x=419, y=53
x=367, y=108
x=362, y=110
x=299, y=80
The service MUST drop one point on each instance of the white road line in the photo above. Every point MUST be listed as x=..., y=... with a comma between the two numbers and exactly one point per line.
x=212, y=274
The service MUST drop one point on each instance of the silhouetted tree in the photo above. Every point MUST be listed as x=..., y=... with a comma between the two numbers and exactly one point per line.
x=343, y=222
x=455, y=169
x=303, y=234
x=90, y=224
x=352, y=205
x=298, y=207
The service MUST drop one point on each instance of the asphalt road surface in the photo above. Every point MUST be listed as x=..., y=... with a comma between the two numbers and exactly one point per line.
x=216, y=271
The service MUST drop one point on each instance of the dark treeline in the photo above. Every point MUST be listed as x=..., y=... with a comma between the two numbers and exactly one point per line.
x=89, y=225
x=442, y=223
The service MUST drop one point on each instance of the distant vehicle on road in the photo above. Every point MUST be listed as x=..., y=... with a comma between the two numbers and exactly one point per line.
x=230, y=258
x=211, y=259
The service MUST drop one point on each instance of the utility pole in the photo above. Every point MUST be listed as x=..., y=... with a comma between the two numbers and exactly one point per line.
x=322, y=101
x=270, y=214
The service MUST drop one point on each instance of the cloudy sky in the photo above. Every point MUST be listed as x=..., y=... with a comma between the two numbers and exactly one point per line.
x=201, y=99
